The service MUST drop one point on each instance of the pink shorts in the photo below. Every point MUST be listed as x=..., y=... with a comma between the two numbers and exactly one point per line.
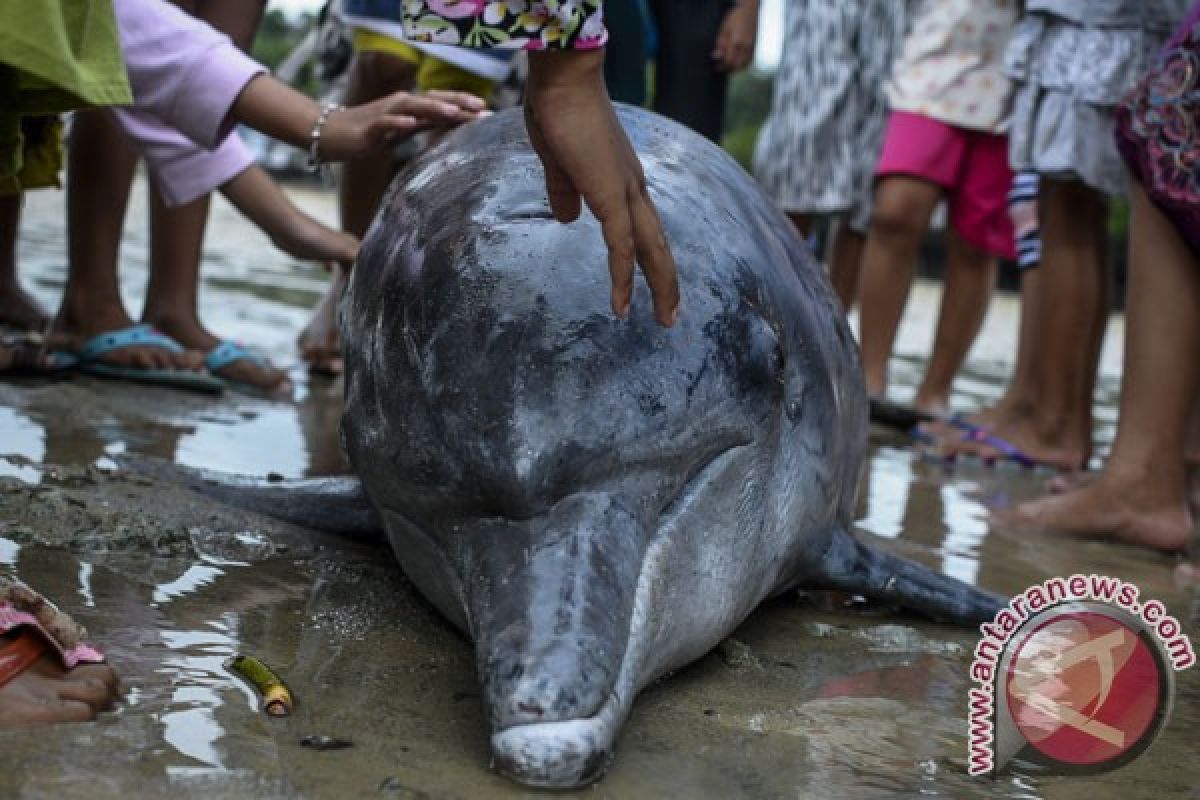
x=972, y=166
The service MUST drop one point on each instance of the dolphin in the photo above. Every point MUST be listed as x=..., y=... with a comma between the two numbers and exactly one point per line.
x=596, y=502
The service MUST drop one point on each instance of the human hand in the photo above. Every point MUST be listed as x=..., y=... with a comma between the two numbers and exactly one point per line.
x=282, y=113
x=587, y=157
x=734, y=48
x=353, y=132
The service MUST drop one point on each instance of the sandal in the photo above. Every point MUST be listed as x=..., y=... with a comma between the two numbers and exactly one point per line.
x=229, y=352
x=89, y=357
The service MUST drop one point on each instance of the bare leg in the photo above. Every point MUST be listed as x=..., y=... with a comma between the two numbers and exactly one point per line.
x=177, y=235
x=1140, y=496
x=1057, y=428
x=967, y=288
x=1020, y=397
x=845, y=263
x=18, y=309
x=364, y=182
x=903, y=206
x=100, y=166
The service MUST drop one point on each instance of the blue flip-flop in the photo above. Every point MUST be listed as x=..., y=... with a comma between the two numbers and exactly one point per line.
x=141, y=336
x=229, y=352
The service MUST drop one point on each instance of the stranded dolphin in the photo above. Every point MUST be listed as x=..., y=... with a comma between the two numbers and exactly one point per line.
x=596, y=502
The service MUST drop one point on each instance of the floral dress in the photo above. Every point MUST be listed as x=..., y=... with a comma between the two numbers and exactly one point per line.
x=1158, y=130
x=507, y=24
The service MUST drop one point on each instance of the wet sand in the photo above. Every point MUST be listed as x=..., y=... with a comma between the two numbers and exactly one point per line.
x=803, y=701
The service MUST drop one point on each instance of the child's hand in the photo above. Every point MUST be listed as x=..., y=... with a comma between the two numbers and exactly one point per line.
x=282, y=113
x=586, y=155
x=354, y=132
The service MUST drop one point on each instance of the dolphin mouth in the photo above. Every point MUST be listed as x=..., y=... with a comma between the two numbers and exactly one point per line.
x=556, y=755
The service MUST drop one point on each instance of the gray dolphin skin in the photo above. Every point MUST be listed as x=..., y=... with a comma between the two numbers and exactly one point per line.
x=596, y=501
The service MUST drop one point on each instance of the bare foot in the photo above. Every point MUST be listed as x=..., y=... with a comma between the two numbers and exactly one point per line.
x=27, y=354
x=1070, y=481
x=72, y=330
x=1108, y=509
x=320, y=343
x=19, y=310
x=47, y=694
x=259, y=375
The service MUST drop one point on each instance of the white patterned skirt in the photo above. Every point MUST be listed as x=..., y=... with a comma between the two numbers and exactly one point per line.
x=1069, y=80
x=817, y=150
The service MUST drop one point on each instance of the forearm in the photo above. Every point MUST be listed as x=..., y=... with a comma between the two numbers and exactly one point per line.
x=277, y=110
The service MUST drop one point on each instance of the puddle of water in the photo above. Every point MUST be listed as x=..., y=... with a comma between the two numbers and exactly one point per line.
x=822, y=706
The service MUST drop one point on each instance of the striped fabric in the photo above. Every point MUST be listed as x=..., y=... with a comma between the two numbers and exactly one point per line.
x=1022, y=207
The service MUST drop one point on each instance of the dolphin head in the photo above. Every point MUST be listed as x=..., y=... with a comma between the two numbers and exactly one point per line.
x=549, y=474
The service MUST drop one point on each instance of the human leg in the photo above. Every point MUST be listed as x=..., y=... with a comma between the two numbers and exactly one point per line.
x=373, y=75
x=172, y=303
x=100, y=167
x=979, y=233
x=689, y=86
x=18, y=309
x=845, y=263
x=903, y=206
x=966, y=289
x=1140, y=496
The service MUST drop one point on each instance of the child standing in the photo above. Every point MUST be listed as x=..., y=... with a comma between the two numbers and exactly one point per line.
x=816, y=153
x=1072, y=62
x=944, y=141
x=1141, y=496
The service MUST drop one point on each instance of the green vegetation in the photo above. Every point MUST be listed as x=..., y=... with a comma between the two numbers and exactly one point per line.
x=278, y=35
x=745, y=111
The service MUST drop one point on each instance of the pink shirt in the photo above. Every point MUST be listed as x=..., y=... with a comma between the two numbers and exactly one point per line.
x=185, y=78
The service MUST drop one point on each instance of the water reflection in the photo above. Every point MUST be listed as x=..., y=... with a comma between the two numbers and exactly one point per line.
x=20, y=436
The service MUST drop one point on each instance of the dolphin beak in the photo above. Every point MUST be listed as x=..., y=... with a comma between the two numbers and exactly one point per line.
x=550, y=601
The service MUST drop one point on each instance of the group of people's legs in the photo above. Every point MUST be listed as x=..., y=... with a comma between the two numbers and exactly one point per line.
x=1054, y=78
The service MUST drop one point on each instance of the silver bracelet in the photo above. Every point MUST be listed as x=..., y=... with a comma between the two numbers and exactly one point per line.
x=314, y=138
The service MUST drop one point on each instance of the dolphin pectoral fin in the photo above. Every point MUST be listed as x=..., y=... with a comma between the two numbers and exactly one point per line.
x=852, y=566
x=334, y=505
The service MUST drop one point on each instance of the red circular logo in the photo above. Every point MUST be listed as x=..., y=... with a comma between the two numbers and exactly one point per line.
x=1084, y=689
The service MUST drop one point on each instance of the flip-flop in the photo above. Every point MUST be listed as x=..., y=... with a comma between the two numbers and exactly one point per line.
x=229, y=352
x=30, y=641
x=1006, y=448
x=142, y=336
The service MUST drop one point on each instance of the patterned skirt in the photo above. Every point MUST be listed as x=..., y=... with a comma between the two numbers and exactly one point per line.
x=1158, y=130
x=817, y=150
x=1069, y=80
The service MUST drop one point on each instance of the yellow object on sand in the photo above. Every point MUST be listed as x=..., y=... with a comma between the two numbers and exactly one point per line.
x=432, y=72
x=277, y=698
